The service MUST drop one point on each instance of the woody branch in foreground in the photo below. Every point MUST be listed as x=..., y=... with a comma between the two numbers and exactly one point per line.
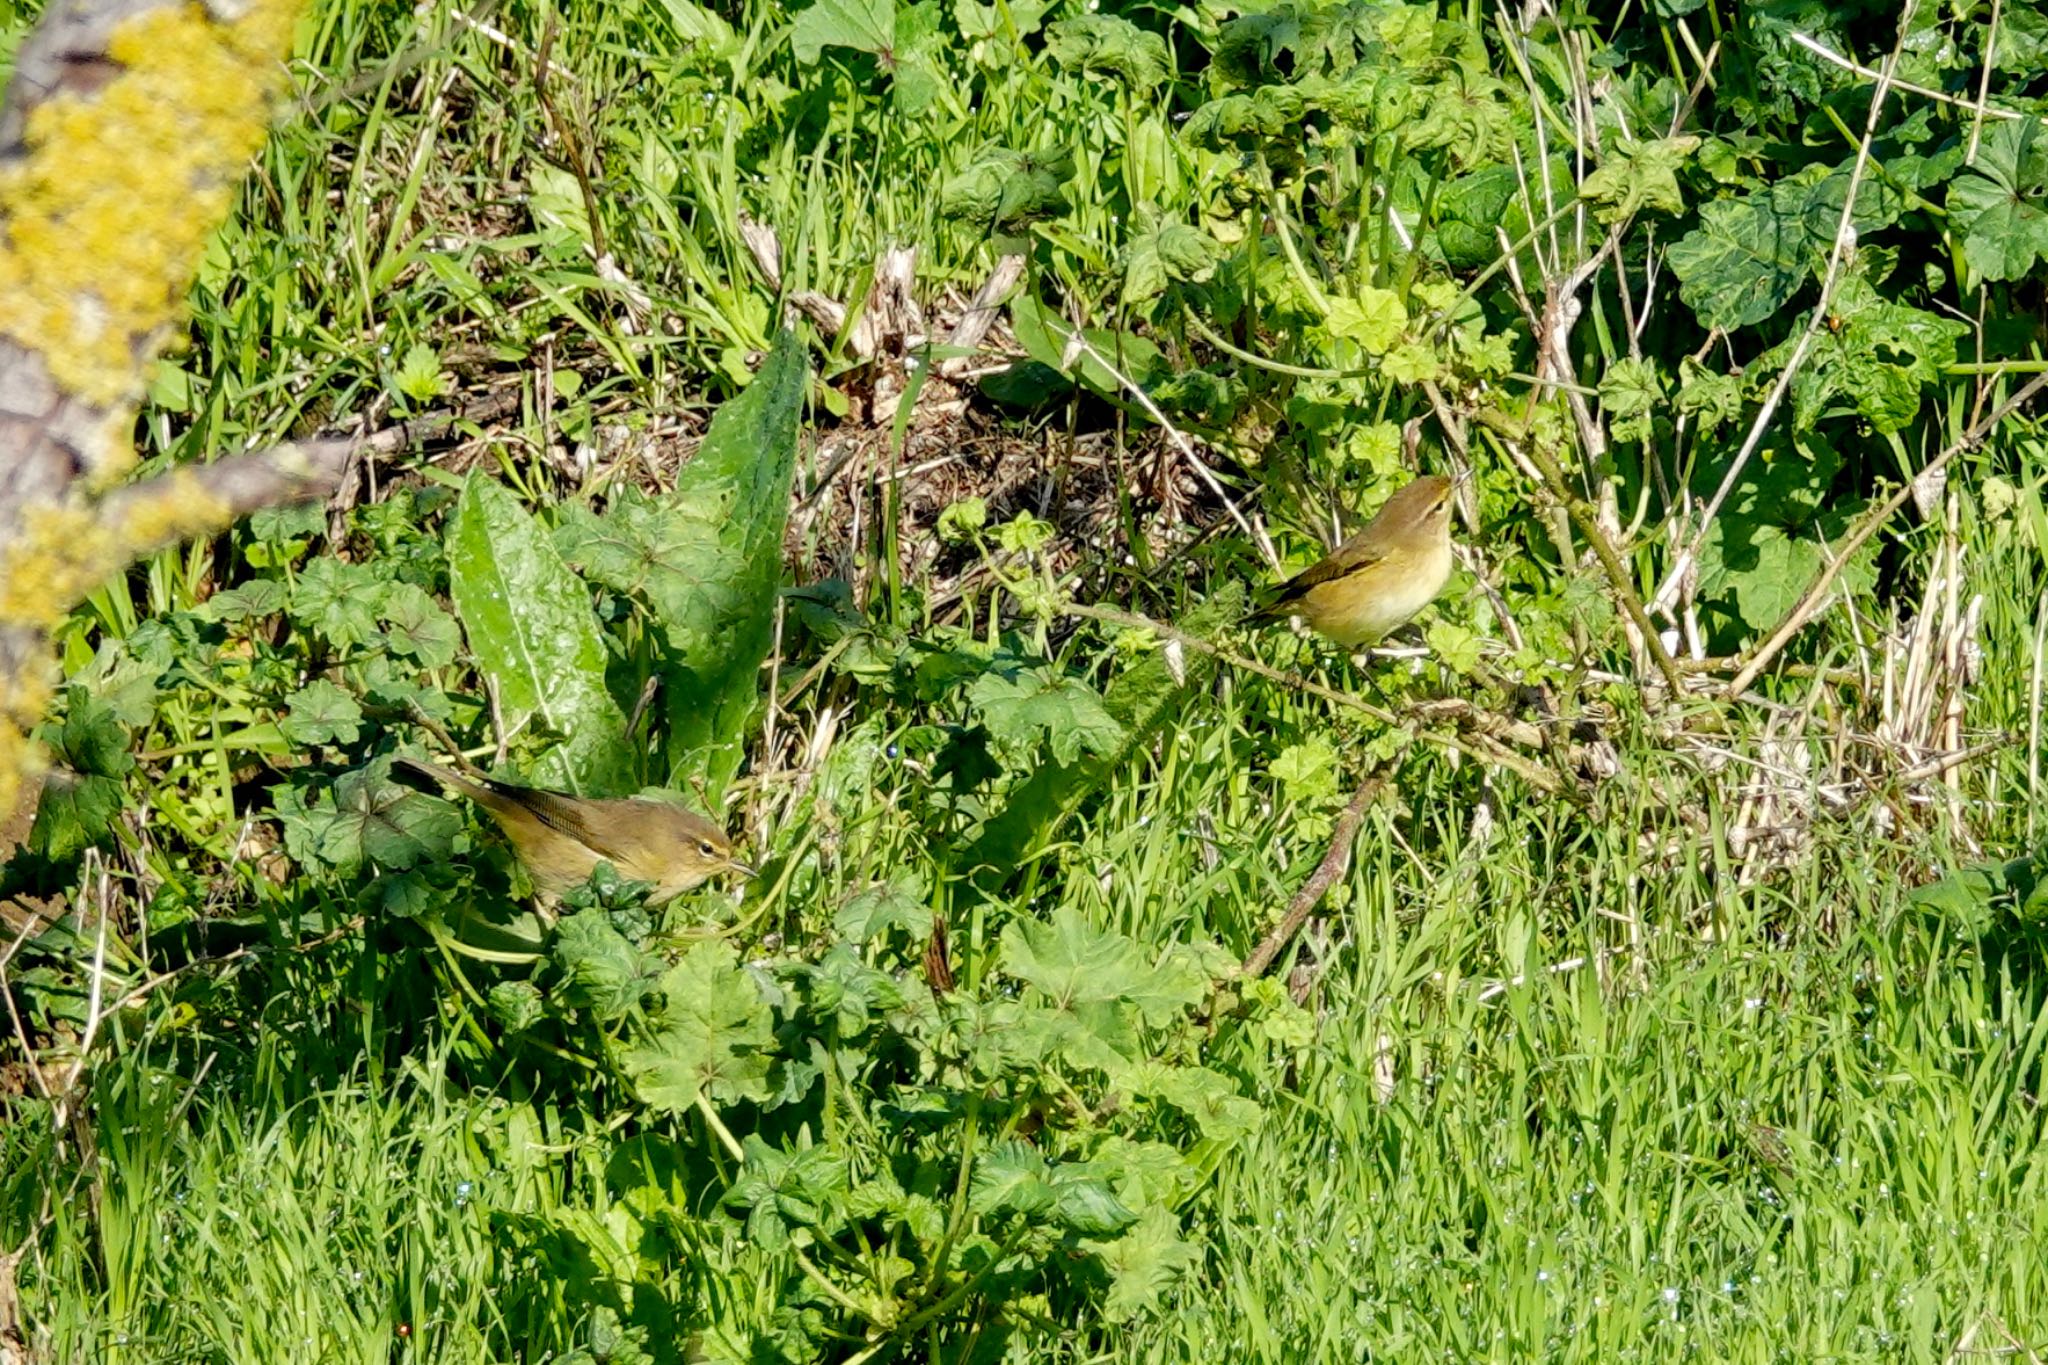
x=123, y=138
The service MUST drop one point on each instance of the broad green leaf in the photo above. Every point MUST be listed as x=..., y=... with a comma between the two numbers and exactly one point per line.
x=1106, y=44
x=1637, y=176
x=1143, y=1264
x=376, y=820
x=1162, y=253
x=1307, y=771
x=416, y=627
x=601, y=971
x=1031, y=705
x=1743, y=262
x=1010, y=1178
x=864, y=25
x=75, y=812
x=896, y=904
x=91, y=739
x=1375, y=319
x=321, y=713
x=1001, y=189
x=1068, y=960
x=250, y=601
x=530, y=627
x=713, y=1036
x=516, y=1005
x=1046, y=338
x=720, y=565
x=2001, y=207
x=338, y=601
x=1088, y=1205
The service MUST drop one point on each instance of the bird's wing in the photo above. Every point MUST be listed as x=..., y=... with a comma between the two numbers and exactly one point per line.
x=582, y=821
x=1346, y=559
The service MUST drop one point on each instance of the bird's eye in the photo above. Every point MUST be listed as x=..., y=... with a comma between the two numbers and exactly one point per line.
x=704, y=847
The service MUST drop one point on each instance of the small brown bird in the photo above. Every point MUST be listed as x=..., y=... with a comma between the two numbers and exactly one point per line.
x=560, y=839
x=1377, y=579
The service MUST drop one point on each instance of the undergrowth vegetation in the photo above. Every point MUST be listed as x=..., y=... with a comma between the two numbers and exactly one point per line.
x=869, y=423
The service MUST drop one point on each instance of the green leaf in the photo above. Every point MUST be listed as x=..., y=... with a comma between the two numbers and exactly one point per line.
x=601, y=970
x=714, y=1036
x=1376, y=319
x=1046, y=337
x=1143, y=1264
x=1069, y=961
x=250, y=601
x=1106, y=44
x=418, y=628
x=720, y=626
x=516, y=1005
x=1637, y=176
x=321, y=713
x=92, y=739
x=1139, y=699
x=1741, y=264
x=962, y=520
x=1010, y=1178
x=376, y=820
x=1001, y=189
x=1999, y=207
x=1209, y=1098
x=1031, y=705
x=76, y=811
x=1307, y=771
x=338, y=601
x=1088, y=1205
x=1162, y=253
x=896, y=904
x=864, y=25
x=419, y=375
x=555, y=198
x=530, y=628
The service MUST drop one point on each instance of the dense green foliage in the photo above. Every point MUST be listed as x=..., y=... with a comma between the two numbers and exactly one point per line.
x=1730, y=1043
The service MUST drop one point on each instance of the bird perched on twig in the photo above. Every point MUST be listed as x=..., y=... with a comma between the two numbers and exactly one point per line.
x=1375, y=581
x=560, y=839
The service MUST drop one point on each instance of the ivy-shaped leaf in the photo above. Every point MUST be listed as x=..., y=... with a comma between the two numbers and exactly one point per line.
x=1032, y=705
x=714, y=1036
x=321, y=713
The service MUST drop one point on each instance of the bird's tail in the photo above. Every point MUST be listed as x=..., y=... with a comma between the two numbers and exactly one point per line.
x=439, y=776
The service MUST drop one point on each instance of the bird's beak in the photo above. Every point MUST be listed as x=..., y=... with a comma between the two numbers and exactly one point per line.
x=735, y=865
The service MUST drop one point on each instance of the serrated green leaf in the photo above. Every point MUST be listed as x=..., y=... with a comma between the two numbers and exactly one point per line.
x=1088, y=1206
x=1010, y=1178
x=713, y=1038
x=516, y=1005
x=1375, y=319
x=530, y=627
x=1144, y=1264
x=75, y=811
x=2001, y=206
x=416, y=626
x=338, y=601
x=1639, y=175
x=601, y=971
x=376, y=820
x=1001, y=189
x=1031, y=705
x=896, y=904
x=321, y=713
x=1107, y=44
